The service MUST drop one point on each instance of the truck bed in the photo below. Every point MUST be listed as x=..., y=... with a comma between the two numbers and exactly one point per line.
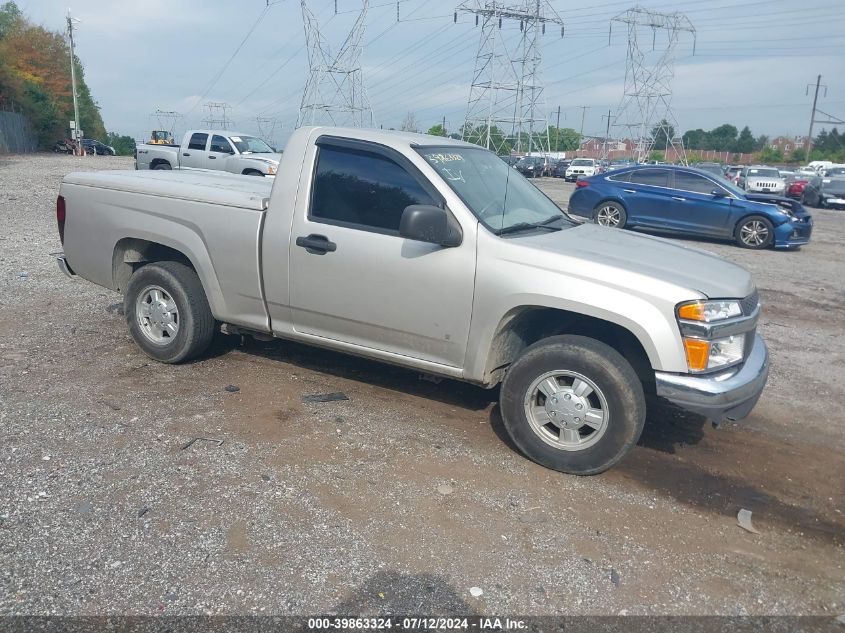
x=198, y=186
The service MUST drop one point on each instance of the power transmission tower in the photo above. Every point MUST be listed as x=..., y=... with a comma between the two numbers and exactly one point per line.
x=217, y=116
x=167, y=120
x=506, y=104
x=646, y=107
x=334, y=92
x=267, y=128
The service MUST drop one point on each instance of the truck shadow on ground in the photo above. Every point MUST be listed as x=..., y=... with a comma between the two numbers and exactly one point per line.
x=396, y=593
x=723, y=474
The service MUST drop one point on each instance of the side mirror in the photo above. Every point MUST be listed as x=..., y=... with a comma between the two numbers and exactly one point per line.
x=718, y=193
x=426, y=223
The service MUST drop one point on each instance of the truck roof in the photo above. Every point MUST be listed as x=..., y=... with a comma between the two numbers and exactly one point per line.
x=389, y=137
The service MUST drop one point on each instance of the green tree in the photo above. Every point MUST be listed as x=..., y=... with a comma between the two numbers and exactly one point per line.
x=123, y=145
x=35, y=79
x=769, y=155
x=436, y=130
x=723, y=138
x=656, y=156
x=563, y=139
x=663, y=133
x=761, y=142
x=695, y=139
x=745, y=143
x=799, y=155
x=10, y=18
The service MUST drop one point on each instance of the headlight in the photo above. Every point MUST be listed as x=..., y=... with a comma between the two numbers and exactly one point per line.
x=709, y=311
x=703, y=355
x=271, y=170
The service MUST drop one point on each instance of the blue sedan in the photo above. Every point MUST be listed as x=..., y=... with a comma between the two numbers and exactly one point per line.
x=691, y=201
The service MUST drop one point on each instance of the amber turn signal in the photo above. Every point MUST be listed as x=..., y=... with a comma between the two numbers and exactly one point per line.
x=698, y=353
x=691, y=312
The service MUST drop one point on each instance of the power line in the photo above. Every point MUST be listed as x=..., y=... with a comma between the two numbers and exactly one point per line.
x=222, y=70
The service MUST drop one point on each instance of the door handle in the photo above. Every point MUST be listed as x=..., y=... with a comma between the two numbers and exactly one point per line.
x=679, y=199
x=213, y=157
x=630, y=190
x=316, y=244
x=185, y=154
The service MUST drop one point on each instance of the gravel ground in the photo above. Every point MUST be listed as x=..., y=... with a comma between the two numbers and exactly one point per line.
x=404, y=496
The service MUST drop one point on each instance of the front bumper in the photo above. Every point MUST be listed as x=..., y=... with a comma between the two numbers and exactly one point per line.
x=794, y=233
x=725, y=395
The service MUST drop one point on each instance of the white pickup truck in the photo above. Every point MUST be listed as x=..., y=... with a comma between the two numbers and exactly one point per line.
x=434, y=255
x=215, y=150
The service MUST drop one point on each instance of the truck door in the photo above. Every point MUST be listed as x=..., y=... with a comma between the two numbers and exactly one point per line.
x=354, y=279
x=219, y=152
x=194, y=155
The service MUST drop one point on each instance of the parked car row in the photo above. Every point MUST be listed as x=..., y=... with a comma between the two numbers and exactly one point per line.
x=89, y=146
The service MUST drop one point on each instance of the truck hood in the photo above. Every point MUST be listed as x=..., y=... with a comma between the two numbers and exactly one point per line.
x=273, y=159
x=626, y=259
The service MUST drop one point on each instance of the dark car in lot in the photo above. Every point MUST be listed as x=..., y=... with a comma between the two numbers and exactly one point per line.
x=690, y=201
x=825, y=192
x=559, y=169
x=532, y=166
x=95, y=147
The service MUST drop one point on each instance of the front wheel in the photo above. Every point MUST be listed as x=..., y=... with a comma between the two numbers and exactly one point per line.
x=611, y=214
x=167, y=312
x=573, y=404
x=754, y=232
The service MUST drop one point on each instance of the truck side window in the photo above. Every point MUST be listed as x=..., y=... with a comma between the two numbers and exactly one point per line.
x=198, y=140
x=220, y=144
x=355, y=187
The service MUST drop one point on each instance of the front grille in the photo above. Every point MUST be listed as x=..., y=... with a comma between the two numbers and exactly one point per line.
x=749, y=304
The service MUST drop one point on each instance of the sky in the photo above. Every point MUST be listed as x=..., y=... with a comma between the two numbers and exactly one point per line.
x=750, y=65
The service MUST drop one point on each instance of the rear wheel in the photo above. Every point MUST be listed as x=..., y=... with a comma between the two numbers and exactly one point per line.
x=610, y=214
x=163, y=166
x=573, y=404
x=168, y=313
x=754, y=232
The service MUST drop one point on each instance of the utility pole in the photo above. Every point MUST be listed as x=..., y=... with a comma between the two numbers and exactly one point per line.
x=444, y=124
x=813, y=114
x=606, y=134
x=581, y=133
x=557, y=131
x=76, y=127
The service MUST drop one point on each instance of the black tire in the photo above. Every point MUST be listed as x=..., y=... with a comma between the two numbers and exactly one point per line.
x=747, y=232
x=616, y=382
x=164, y=166
x=619, y=209
x=196, y=324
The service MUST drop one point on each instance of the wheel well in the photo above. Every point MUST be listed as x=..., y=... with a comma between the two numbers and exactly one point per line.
x=131, y=253
x=527, y=325
x=246, y=172
x=158, y=161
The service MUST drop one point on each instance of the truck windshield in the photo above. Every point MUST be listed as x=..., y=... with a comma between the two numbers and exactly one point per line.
x=499, y=196
x=251, y=145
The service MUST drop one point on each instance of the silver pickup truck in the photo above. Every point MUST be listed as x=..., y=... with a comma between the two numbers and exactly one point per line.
x=431, y=254
x=213, y=150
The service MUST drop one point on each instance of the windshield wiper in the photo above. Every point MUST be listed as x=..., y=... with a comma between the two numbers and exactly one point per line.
x=525, y=226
